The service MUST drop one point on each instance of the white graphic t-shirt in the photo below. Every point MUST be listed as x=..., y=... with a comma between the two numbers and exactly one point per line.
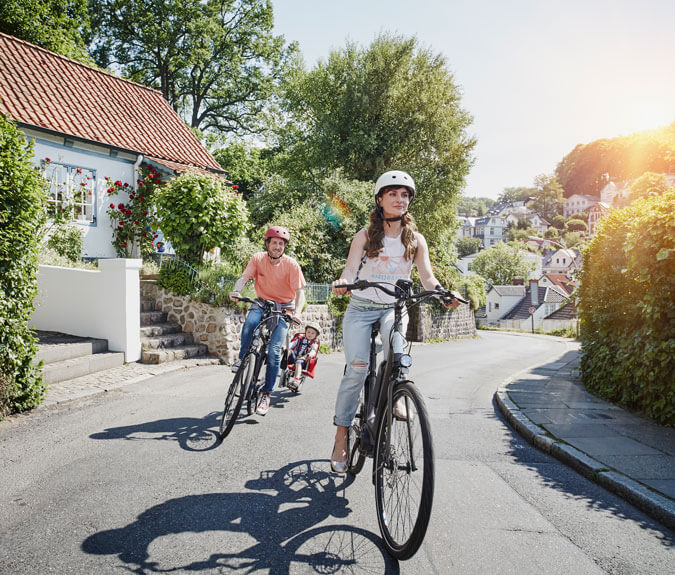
x=389, y=265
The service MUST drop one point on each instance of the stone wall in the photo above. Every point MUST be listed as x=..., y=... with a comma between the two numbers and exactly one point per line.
x=219, y=328
x=427, y=323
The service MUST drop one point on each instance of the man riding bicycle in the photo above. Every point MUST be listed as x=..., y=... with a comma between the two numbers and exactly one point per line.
x=277, y=278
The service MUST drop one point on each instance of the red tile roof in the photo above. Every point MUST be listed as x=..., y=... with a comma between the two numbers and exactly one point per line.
x=562, y=281
x=43, y=89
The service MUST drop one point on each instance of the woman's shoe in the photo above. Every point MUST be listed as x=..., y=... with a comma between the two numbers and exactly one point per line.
x=338, y=466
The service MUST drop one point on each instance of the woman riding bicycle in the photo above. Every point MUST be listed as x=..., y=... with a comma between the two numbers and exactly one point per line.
x=278, y=278
x=385, y=252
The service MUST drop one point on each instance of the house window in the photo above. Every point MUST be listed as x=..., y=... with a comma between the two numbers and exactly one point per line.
x=469, y=266
x=71, y=188
x=489, y=306
x=496, y=306
x=492, y=231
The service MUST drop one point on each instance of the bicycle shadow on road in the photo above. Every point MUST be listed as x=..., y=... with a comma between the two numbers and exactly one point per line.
x=272, y=527
x=569, y=481
x=191, y=433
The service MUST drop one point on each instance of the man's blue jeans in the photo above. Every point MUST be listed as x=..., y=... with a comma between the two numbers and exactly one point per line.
x=273, y=349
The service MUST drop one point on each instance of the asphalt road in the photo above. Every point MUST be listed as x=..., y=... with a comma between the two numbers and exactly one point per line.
x=135, y=481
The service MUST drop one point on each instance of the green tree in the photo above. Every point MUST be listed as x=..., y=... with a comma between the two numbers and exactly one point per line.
x=552, y=232
x=467, y=246
x=548, y=197
x=511, y=195
x=576, y=226
x=215, y=61
x=198, y=213
x=589, y=167
x=390, y=105
x=61, y=26
x=245, y=166
x=474, y=207
x=501, y=264
x=558, y=222
x=648, y=184
x=22, y=216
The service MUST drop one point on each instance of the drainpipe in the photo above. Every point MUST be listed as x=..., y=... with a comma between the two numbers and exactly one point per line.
x=137, y=164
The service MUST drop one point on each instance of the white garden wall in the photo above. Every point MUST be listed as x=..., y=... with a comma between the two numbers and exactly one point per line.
x=103, y=303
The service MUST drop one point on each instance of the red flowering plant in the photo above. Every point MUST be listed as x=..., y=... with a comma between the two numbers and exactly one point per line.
x=134, y=222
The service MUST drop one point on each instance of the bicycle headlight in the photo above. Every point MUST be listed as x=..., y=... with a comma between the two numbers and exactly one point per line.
x=405, y=360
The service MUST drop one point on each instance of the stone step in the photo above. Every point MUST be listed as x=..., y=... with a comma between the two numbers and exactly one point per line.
x=159, y=329
x=167, y=340
x=147, y=305
x=68, y=348
x=153, y=317
x=67, y=369
x=173, y=353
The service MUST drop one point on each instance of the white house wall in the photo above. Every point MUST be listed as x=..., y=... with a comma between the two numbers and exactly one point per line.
x=97, y=237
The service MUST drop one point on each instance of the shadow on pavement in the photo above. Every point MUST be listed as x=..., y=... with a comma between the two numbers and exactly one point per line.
x=212, y=532
x=191, y=433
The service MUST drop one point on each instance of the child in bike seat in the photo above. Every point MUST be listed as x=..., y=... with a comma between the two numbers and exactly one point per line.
x=302, y=354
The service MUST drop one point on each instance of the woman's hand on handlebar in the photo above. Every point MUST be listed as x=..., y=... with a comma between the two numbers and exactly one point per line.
x=452, y=300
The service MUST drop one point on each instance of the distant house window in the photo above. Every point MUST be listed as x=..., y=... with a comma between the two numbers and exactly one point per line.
x=492, y=231
x=71, y=188
x=563, y=261
x=496, y=305
x=469, y=266
x=490, y=306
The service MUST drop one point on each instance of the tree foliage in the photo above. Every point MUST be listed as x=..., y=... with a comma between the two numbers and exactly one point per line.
x=589, y=167
x=392, y=105
x=22, y=215
x=245, y=165
x=548, y=199
x=198, y=213
x=467, y=246
x=576, y=226
x=474, y=207
x=215, y=61
x=512, y=195
x=501, y=264
x=61, y=26
x=626, y=294
x=648, y=184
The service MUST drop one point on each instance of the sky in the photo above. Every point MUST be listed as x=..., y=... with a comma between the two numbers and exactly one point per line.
x=538, y=76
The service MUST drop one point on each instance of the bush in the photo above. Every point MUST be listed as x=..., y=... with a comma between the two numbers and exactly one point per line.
x=198, y=213
x=22, y=215
x=626, y=294
x=176, y=279
x=66, y=241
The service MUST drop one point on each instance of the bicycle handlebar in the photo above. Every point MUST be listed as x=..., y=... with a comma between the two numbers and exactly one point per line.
x=399, y=293
x=283, y=312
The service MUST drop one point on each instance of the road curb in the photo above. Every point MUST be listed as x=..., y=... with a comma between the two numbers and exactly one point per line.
x=653, y=504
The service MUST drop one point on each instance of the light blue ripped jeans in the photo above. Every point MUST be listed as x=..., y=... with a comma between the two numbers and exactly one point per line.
x=356, y=326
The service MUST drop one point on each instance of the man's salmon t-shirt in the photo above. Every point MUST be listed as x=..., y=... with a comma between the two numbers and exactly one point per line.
x=275, y=282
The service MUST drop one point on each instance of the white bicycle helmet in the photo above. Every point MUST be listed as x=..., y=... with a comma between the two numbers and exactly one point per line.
x=395, y=178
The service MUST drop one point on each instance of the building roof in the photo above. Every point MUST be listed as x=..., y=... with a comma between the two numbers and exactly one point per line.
x=544, y=294
x=568, y=311
x=41, y=89
x=510, y=290
x=561, y=281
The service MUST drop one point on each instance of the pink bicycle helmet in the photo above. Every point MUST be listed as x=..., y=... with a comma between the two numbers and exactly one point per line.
x=278, y=232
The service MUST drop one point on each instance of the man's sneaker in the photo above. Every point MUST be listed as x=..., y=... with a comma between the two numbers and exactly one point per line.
x=235, y=366
x=263, y=404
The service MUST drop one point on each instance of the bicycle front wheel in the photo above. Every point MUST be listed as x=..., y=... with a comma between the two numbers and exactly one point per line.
x=235, y=396
x=357, y=456
x=404, y=473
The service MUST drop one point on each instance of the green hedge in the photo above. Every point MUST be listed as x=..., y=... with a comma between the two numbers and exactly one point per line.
x=22, y=213
x=626, y=308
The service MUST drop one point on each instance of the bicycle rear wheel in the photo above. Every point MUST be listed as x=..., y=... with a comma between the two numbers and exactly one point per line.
x=356, y=457
x=235, y=396
x=404, y=474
